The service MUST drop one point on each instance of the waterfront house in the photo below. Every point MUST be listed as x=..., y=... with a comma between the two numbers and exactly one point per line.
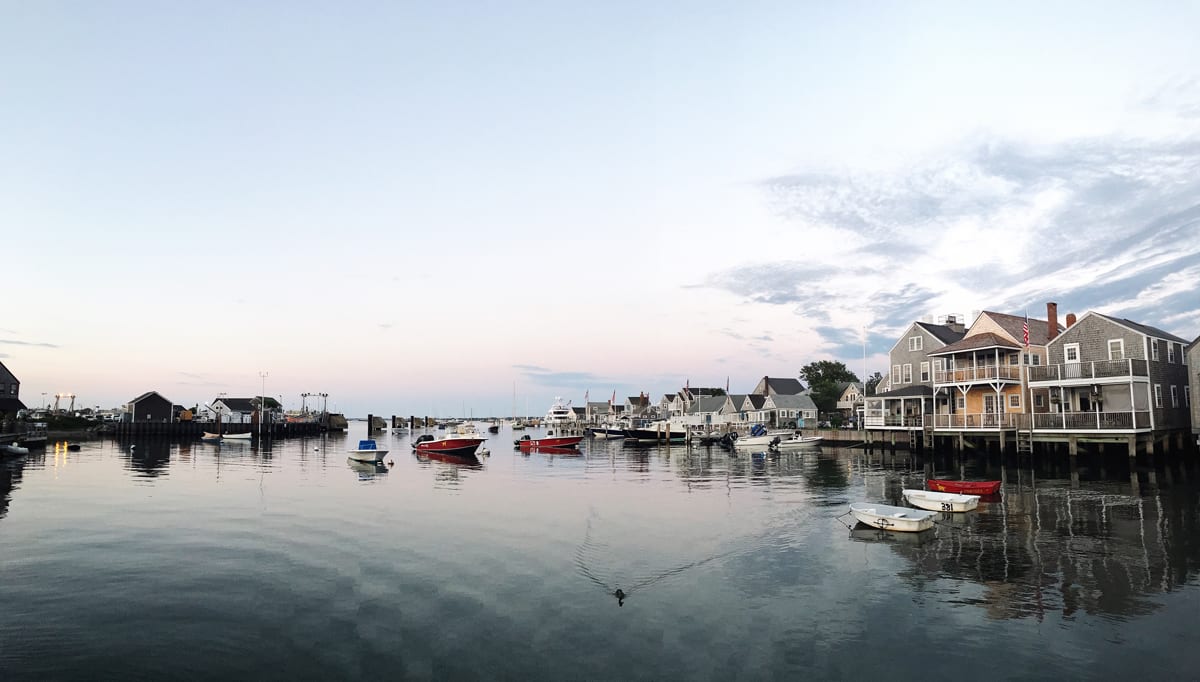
x=579, y=414
x=150, y=407
x=1192, y=390
x=638, y=406
x=234, y=410
x=10, y=392
x=732, y=412
x=790, y=411
x=778, y=386
x=978, y=387
x=905, y=395
x=1112, y=379
x=597, y=412
x=850, y=398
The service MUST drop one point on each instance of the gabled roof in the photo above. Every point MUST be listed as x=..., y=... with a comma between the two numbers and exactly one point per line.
x=1141, y=328
x=783, y=385
x=237, y=404
x=147, y=394
x=706, y=403
x=1013, y=325
x=794, y=402
x=757, y=400
x=7, y=377
x=639, y=400
x=982, y=341
x=941, y=332
x=579, y=410
x=843, y=385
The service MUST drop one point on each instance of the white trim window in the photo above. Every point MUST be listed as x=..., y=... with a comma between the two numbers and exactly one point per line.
x=939, y=364
x=1170, y=352
x=916, y=343
x=1154, y=350
x=1116, y=349
x=1174, y=395
x=1158, y=395
x=960, y=402
x=1014, y=401
x=1039, y=400
x=895, y=374
x=908, y=373
x=1070, y=353
x=924, y=372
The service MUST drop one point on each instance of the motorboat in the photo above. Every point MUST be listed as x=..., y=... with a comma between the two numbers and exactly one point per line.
x=943, y=485
x=559, y=414
x=14, y=449
x=655, y=432
x=607, y=433
x=452, y=444
x=367, y=451
x=935, y=501
x=704, y=436
x=525, y=443
x=887, y=517
x=798, y=442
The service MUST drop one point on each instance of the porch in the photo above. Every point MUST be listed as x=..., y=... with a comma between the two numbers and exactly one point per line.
x=1089, y=372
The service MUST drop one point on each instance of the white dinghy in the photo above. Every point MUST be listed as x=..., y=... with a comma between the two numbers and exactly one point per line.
x=935, y=501
x=888, y=517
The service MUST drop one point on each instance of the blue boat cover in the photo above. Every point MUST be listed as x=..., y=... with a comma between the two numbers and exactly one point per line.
x=758, y=430
x=366, y=445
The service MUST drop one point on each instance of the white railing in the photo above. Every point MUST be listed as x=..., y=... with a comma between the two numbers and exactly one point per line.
x=987, y=421
x=1091, y=421
x=1101, y=369
x=979, y=373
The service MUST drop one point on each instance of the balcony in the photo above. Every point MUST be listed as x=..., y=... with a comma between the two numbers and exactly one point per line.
x=1085, y=372
x=966, y=375
x=987, y=421
x=1092, y=421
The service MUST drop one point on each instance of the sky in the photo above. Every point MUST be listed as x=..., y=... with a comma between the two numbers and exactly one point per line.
x=472, y=208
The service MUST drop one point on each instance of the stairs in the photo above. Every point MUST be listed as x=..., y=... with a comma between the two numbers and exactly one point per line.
x=1024, y=442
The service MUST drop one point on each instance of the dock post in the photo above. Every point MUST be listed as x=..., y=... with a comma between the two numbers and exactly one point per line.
x=1073, y=446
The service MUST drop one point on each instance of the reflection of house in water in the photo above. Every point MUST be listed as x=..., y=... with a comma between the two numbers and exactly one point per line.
x=11, y=472
x=1054, y=548
x=148, y=458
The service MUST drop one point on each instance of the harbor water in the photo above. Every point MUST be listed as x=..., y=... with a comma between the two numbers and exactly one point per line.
x=157, y=559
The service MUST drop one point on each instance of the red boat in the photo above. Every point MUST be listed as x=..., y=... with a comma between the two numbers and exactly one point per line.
x=944, y=485
x=447, y=445
x=526, y=443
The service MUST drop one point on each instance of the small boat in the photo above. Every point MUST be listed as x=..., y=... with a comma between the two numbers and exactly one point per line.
x=493, y=428
x=888, y=517
x=74, y=447
x=210, y=436
x=947, y=502
x=237, y=436
x=655, y=432
x=606, y=433
x=798, y=442
x=367, y=452
x=944, y=485
x=14, y=449
x=758, y=439
x=447, y=445
x=526, y=443
x=705, y=436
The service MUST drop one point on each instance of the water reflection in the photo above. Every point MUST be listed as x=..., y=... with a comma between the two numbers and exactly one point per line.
x=11, y=471
x=367, y=471
x=147, y=457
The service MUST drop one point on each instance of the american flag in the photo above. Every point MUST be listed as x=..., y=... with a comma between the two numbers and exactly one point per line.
x=1025, y=330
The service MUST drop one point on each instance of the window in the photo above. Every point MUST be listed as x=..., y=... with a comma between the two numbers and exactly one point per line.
x=916, y=343
x=1116, y=349
x=1071, y=352
x=939, y=365
x=1014, y=400
x=895, y=374
x=1039, y=400
x=1033, y=359
x=924, y=372
x=1158, y=395
x=1154, y=350
x=908, y=373
x=1014, y=359
x=1174, y=395
x=1170, y=352
x=961, y=402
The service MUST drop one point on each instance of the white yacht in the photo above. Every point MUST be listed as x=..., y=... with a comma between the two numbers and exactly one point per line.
x=559, y=414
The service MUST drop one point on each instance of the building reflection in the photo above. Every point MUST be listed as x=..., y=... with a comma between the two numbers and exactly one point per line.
x=147, y=457
x=11, y=472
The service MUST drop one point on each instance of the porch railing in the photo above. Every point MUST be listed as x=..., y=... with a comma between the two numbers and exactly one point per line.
x=1100, y=369
x=987, y=421
x=1091, y=421
x=979, y=373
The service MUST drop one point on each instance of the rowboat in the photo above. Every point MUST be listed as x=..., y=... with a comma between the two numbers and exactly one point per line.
x=888, y=517
x=447, y=445
x=210, y=436
x=367, y=452
x=944, y=485
x=237, y=436
x=526, y=443
x=797, y=442
x=947, y=502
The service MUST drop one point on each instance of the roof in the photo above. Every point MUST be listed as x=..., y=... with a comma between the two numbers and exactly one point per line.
x=8, y=405
x=706, y=403
x=147, y=394
x=843, y=385
x=794, y=402
x=982, y=341
x=6, y=376
x=757, y=400
x=907, y=392
x=237, y=404
x=1142, y=328
x=579, y=410
x=941, y=332
x=783, y=385
x=1014, y=325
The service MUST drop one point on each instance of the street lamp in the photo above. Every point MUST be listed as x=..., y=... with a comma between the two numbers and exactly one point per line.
x=262, y=403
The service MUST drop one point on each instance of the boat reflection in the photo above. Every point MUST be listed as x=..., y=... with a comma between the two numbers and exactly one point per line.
x=862, y=533
x=366, y=471
x=461, y=461
x=562, y=452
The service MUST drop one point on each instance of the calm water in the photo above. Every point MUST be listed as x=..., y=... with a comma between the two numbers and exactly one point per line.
x=201, y=561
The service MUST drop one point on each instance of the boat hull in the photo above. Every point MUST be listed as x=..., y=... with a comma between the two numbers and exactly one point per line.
x=946, y=502
x=756, y=442
x=237, y=436
x=549, y=442
x=965, y=487
x=460, y=447
x=366, y=455
x=887, y=517
x=652, y=436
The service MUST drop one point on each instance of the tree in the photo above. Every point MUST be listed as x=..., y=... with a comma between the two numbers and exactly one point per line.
x=823, y=378
x=872, y=386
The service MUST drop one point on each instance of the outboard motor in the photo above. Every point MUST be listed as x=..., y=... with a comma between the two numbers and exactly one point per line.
x=517, y=442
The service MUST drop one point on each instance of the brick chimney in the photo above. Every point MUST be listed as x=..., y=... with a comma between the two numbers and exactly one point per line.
x=1051, y=321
